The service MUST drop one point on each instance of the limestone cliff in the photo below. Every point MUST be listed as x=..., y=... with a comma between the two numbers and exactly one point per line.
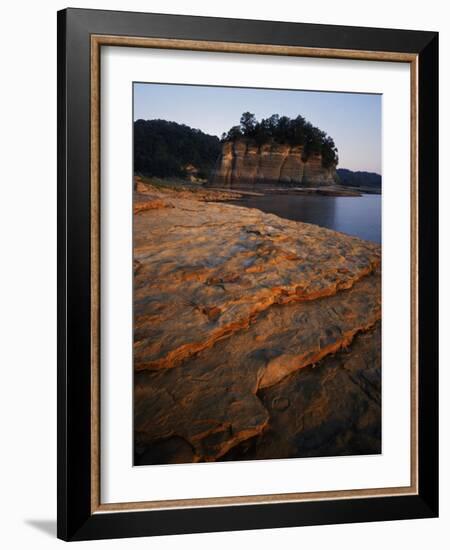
x=244, y=162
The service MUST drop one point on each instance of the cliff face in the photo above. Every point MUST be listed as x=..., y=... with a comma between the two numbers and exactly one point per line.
x=244, y=162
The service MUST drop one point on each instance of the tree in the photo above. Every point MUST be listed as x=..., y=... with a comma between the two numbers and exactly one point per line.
x=234, y=133
x=248, y=123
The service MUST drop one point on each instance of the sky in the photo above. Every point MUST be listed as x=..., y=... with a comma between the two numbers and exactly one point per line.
x=352, y=120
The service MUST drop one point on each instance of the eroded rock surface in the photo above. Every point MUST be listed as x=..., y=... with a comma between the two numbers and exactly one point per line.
x=230, y=304
x=332, y=409
x=245, y=162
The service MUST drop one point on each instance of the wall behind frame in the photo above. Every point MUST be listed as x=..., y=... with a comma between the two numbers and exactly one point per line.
x=28, y=277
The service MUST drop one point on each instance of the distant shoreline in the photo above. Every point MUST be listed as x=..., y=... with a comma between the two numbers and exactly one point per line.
x=261, y=189
x=332, y=207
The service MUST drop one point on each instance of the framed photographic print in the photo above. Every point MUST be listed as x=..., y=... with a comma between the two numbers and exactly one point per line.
x=247, y=274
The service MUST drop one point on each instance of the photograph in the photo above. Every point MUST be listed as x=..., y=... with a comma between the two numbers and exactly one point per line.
x=256, y=273
x=247, y=286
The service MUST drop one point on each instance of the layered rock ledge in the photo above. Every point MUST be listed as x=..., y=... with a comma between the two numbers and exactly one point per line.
x=230, y=303
x=244, y=162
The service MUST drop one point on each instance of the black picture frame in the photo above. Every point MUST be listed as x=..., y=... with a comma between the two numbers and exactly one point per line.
x=75, y=518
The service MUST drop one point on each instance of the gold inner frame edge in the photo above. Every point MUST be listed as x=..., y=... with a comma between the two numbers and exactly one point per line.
x=97, y=41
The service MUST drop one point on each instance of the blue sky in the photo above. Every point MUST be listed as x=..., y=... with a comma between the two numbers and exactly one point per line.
x=352, y=120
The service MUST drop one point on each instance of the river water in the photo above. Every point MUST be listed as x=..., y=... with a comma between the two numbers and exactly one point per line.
x=358, y=216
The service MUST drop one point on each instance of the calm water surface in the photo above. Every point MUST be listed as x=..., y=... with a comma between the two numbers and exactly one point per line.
x=358, y=216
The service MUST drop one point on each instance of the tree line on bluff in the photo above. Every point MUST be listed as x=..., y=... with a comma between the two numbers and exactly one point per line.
x=168, y=149
x=285, y=130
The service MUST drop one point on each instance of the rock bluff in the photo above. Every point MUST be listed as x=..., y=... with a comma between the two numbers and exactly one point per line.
x=243, y=161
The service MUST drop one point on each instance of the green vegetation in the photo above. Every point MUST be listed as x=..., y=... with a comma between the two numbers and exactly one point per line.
x=359, y=179
x=293, y=131
x=166, y=149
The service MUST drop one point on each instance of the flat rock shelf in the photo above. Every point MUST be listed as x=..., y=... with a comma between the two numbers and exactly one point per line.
x=254, y=336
